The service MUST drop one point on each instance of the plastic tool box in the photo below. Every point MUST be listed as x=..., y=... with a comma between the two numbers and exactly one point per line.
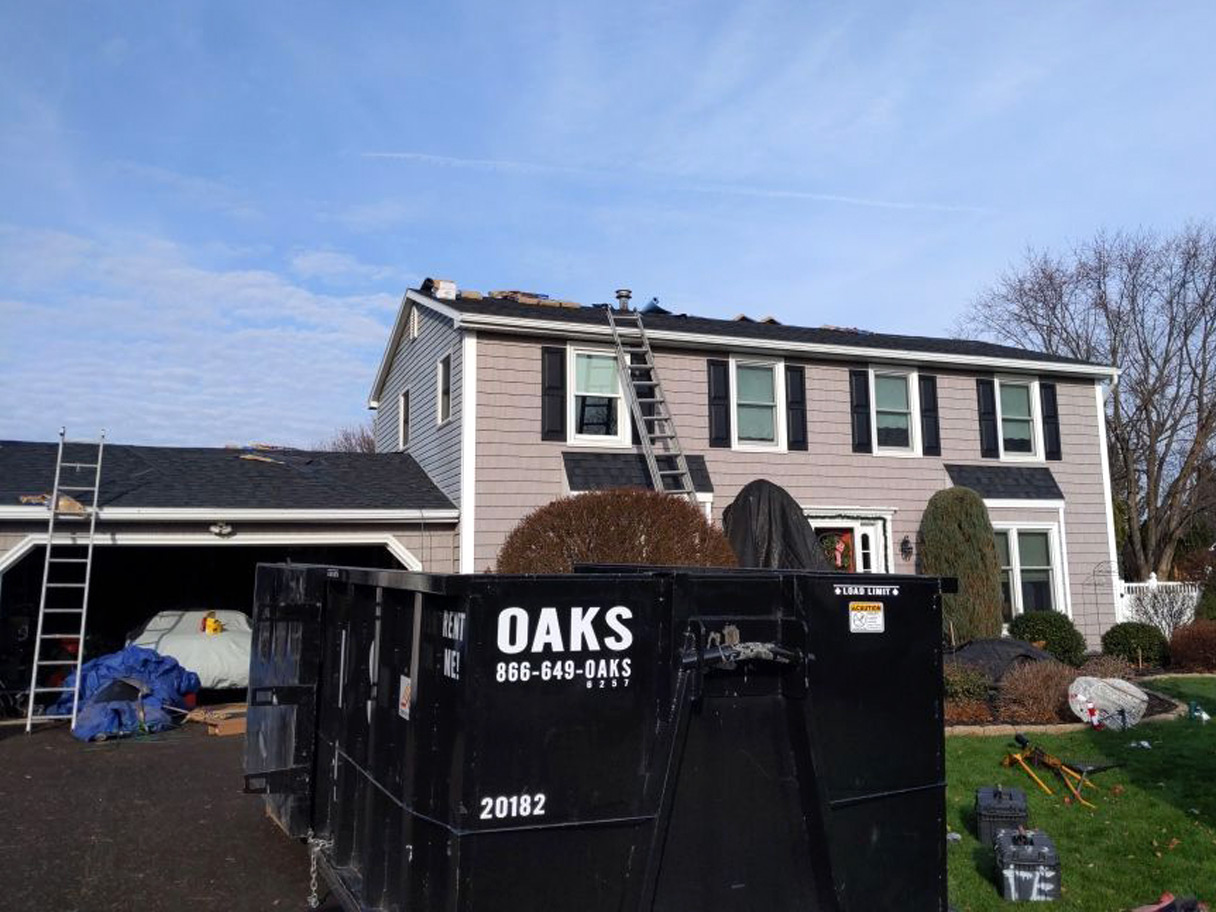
x=1028, y=865
x=997, y=808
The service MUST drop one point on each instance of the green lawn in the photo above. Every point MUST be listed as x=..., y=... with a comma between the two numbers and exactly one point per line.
x=1155, y=833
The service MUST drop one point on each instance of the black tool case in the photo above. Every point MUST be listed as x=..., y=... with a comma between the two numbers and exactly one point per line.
x=1027, y=865
x=997, y=808
x=606, y=740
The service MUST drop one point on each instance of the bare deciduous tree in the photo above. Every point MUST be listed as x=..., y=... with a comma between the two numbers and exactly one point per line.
x=352, y=439
x=1166, y=607
x=1147, y=304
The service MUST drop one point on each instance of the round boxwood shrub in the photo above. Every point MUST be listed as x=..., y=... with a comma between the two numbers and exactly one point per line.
x=1136, y=642
x=619, y=526
x=956, y=539
x=1061, y=638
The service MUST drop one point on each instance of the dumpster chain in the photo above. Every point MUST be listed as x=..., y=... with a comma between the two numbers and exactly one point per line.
x=315, y=846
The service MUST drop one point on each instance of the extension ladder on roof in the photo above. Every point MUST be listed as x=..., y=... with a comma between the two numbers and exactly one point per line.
x=63, y=606
x=651, y=415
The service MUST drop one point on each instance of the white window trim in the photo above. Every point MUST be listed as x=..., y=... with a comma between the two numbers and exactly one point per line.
x=1059, y=570
x=403, y=420
x=624, y=419
x=751, y=446
x=854, y=518
x=440, y=420
x=913, y=376
x=1036, y=420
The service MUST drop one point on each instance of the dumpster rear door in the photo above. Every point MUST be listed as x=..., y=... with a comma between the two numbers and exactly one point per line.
x=280, y=741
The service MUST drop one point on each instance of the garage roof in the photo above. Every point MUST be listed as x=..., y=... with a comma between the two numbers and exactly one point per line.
x=228, y=478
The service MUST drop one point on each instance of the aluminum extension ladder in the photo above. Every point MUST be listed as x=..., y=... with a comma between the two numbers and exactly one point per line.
x=66, y=572
x=651, y=415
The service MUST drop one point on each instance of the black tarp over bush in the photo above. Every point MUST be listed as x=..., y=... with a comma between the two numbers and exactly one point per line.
x=767, y=528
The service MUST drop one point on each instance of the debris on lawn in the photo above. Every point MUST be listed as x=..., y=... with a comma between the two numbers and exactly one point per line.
x=1169, y=903
x=1196, y=713
x=1141, y=744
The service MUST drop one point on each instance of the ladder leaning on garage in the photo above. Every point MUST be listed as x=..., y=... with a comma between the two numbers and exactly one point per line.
x=652, y=417
x=66, y=572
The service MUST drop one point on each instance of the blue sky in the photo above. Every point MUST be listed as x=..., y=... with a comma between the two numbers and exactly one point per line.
x=211, y=209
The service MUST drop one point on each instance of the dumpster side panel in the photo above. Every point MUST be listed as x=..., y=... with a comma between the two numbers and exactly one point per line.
x=877, y=709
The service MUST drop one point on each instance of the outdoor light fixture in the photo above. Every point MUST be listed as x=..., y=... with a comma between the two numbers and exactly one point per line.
x=905, y=548
x=220, y=529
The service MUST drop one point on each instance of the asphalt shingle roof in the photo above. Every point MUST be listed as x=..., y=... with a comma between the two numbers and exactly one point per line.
x=598, y=471
x=1007, y=482
x=202, y=477
x=963, y=348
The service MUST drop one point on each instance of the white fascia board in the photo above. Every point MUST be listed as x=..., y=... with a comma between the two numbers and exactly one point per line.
x=410, y=298
x=1014, y=503
x=203, y=514
x=527, y=326
x=468, y=453
x=236, y=539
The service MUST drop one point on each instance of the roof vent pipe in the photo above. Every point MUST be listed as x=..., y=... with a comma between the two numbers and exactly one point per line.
x=622, y=298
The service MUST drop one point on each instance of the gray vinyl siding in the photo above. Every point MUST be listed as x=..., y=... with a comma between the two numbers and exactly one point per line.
x=436, y=448
x=518, y=472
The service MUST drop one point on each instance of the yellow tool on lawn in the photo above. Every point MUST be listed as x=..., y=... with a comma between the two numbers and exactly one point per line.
x=1035, y=756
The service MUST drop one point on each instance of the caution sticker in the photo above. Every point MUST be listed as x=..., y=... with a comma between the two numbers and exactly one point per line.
x=403, y=698
x=866, y=617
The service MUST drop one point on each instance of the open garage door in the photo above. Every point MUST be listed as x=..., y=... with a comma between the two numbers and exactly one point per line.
x=133, y=583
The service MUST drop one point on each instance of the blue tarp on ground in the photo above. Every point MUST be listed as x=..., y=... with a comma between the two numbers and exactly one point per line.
x=163, y=681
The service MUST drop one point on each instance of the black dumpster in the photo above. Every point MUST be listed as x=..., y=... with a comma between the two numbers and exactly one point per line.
x=611, y=740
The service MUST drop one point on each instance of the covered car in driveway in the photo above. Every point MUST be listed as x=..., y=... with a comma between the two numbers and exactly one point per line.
x=212, y=644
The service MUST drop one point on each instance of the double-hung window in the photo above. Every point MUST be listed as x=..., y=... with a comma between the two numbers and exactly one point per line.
x=757, y=411
x=598, y=405
x=895, y=412
x=1028, y=571
x=443, y=389
x=1019, y=421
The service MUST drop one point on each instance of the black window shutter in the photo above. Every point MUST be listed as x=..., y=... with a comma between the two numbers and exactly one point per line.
x=553, y=393
x=646, y=391
x=795, y=407
x=930, y=427
x=1051, y=421
x=985, y=393
x=859, y=404
x=719, y=402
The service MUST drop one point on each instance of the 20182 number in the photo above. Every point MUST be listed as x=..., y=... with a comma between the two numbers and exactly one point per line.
x=505, y=806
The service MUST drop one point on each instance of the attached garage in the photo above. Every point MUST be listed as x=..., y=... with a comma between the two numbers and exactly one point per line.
x=184, y=529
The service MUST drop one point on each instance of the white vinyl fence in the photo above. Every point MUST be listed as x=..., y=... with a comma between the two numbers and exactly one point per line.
x=1167, y=606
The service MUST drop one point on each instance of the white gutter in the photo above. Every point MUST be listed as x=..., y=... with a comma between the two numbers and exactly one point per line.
x=203, y=514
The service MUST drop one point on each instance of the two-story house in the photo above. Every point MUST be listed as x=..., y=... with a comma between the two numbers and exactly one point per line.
x=508, y=401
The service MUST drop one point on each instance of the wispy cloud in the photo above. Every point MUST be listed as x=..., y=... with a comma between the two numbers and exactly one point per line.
x=333, y=265
x=671, y=182
x=205, y=193
x=134, y=334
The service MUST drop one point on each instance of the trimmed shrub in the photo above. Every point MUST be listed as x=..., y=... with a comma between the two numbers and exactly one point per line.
x=1060, y=636
x=964, y=682
x=956, y=539
x=620, y=526
x=1134, y=642
x=1036, y=692
x=1108, y=666
x=1193, y=647
x=967, y=712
